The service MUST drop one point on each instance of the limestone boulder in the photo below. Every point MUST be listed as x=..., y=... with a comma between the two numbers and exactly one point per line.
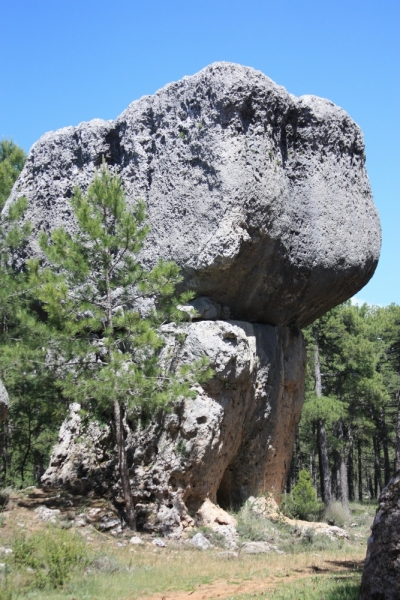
x=234, y=440
x=381, y=575
x=262, y=198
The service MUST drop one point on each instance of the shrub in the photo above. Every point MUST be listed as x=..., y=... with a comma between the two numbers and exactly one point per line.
x=303, y=503
x=254, y=528
x=51, y=554
x=337, y=514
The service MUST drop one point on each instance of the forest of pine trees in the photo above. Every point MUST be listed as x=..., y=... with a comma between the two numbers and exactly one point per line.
x=349, y=434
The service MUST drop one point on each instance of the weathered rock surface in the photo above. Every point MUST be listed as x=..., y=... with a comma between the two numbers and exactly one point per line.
x=267, y=508
x=232, y=441
x=3, y=403
x=262, y=198
x=381, y=576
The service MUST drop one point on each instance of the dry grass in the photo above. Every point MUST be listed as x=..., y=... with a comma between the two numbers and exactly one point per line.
x=180, y=571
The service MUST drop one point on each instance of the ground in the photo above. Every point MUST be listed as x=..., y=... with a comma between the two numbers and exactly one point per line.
x=109, y=567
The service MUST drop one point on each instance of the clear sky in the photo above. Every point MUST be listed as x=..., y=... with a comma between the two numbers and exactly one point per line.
x=67, y=61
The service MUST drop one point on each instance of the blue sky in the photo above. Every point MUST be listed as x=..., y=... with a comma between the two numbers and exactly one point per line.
x=67, y=61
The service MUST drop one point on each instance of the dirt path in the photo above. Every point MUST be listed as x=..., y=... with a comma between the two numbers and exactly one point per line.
x=224, y=589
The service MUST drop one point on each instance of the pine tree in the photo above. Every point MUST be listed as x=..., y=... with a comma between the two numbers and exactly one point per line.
x=12, y=159
x=27, y=436
x=105, y=348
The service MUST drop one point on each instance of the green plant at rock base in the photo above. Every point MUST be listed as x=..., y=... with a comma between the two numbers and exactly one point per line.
x=302, y=503
x=108, y=351
x=181, y=449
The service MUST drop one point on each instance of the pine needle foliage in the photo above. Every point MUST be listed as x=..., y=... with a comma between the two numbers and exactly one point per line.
x=89, y=293
x=109, y=350
x=26, y=438
x=12, y=160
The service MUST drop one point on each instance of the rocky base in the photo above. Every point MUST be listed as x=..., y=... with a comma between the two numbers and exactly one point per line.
x=234, y=440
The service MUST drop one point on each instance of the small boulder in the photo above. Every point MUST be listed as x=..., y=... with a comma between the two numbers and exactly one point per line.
x=136, y=541
x=48, y=514
x=200, y=541
x=108, y=524
x=256, y=548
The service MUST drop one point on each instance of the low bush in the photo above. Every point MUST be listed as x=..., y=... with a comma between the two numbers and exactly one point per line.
x=337, y=514
x=254, y=528
x=50, y=555
x=302, y=503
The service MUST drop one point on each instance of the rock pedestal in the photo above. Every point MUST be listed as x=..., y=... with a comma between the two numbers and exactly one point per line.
x=233, y=441
x=381, y=576
x=263, y=201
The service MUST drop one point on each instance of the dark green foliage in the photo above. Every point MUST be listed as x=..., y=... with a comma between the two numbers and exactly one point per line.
x=106, y=350
x=302, y=503
x=89, y=296
x=12, y=159
x=35, y=409
x=359, y=349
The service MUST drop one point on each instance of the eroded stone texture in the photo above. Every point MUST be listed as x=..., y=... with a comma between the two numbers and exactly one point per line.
x=262, y=198
x=3, y=403
x=231, y=442
x=381, y=576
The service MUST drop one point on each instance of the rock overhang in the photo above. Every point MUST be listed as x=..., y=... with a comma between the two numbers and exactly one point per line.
x=261, y=198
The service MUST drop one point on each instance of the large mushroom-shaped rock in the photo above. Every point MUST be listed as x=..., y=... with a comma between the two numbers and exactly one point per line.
x=233, y=441
x=3, y=403
x=381, y=576
x=262, y=198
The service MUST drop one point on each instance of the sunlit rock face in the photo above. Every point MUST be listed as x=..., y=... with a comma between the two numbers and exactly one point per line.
x=233, y=441
x=262, y=198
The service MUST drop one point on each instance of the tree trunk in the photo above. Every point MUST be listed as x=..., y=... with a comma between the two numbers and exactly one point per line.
x=398, y=432
x=343, y=487
x=313, y=469
x=317, y=366
x=359, y=468
x=370, y=486
x=324, y=471
x=123, y=468
x=385, y=445
x=350, y=466
x=299, y=461
x=377, y=467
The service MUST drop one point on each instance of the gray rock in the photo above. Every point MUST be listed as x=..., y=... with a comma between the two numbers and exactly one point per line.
x=381, y=575
x=200, y=541
x=51, y=515
x=262, y=198
x=108, y=524
x=3, y=403
x=256, y=548
x=136, y=541
x=234, y=440
x=159, y=543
